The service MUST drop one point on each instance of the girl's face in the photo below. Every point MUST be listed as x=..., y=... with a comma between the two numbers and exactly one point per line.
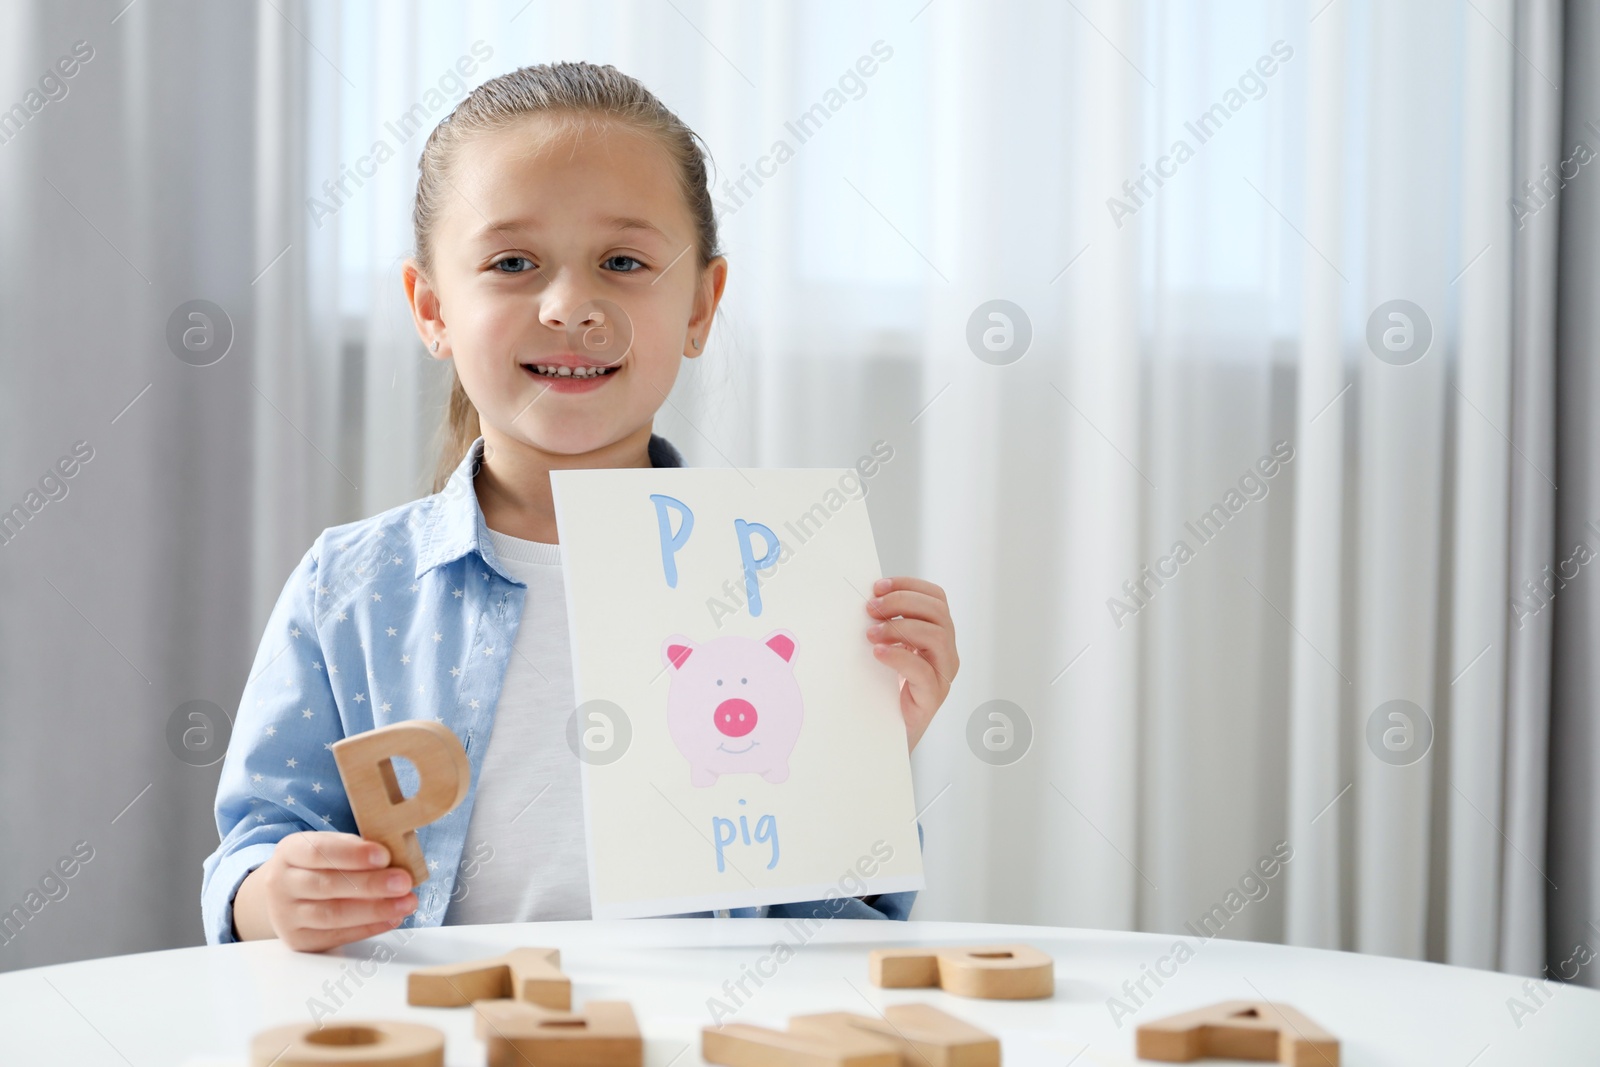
x=565, y=245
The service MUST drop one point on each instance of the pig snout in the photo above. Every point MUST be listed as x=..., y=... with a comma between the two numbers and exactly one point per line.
x=735, y=717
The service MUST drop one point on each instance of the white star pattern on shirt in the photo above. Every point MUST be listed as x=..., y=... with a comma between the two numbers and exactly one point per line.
x=405, y=659
x=255, y=777
x=341, y=616
x=473, y=704
x=332, y=669
x=316, y=787
x=415, y=587
x=455, y=672
x=384, y=706
x=398, y=560
x=456, y=593
x=295, y=632
x=291, y=763
x=361, y=698
x=437, y=637
x=433, y=865
x=391, y=631
x=377, y=597
x=289, y=800
x=306, y=713
x=316, y=666
x=489, y=651
x=272, y=731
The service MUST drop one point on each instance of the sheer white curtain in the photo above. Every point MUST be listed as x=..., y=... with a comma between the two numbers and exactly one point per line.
x=1175, y=341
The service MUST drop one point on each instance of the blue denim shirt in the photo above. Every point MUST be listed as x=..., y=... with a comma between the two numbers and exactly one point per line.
x=404, y=615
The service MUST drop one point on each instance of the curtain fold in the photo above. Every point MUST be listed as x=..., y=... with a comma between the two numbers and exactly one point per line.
x=299, y=476
x=1524, y=880
x=1317, y=696
x=1573, y=846
x=1475, y=689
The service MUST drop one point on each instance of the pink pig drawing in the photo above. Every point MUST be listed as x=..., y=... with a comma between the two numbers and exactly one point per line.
x=733, y=706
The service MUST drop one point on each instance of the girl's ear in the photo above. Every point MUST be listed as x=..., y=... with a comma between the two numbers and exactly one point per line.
x=425, y=310
x=708, y=295
x=675, y=651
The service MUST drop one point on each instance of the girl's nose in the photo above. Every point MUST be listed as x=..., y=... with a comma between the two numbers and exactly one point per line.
x=598, y=329
x=564, y=311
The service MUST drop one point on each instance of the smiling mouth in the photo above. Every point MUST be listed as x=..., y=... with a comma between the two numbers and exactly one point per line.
x=740, y=752
x=561, y=372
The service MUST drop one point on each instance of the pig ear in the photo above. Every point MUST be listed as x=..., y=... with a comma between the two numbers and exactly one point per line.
x=675, y=651
x=781, y=642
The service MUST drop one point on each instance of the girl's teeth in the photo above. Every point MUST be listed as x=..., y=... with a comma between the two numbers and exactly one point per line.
x=571, y=372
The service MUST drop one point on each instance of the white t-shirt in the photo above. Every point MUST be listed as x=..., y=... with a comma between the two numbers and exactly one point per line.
x=525, y=858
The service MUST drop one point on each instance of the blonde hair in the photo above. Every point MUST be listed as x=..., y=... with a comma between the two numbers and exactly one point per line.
x=572, y=90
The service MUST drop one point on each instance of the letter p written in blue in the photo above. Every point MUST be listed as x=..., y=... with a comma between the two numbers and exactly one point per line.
x=671, y=542
x=752, y=587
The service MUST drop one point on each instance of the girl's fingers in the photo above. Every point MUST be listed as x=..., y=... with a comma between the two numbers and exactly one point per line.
x=323, y=849
x=919, y=673
x=933, y=641
x=913, y=605
x=918, y=585
x=322, y=940
x=342, y=914
x=309, y=884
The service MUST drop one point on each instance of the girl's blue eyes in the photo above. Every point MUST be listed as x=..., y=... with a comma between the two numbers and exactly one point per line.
x=609, y=263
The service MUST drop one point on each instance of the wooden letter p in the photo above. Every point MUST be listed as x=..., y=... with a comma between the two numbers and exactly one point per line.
x=383, y=813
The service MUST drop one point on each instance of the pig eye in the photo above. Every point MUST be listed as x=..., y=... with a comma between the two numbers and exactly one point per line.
x=742, y=681
x=719, y=681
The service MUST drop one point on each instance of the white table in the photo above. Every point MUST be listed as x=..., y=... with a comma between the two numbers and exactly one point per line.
x=198, y=1006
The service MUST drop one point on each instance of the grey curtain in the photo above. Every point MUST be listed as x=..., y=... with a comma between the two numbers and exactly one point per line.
x=1573, y=889
x=125, y=595
x=1536, y=135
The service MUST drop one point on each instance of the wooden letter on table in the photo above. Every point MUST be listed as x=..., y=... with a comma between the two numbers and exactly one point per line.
x=742, y=1045
x=379, y=1043
x=531, y=975
x=383, y=813
x=989, y=972
x=1241, y=1030
x=604, y=1034
x=924, y=1035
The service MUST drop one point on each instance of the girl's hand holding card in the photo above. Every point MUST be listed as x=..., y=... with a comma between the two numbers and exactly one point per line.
x=913, y=633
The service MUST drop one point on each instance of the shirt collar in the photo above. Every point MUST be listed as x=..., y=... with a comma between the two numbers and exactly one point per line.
x=455, y=524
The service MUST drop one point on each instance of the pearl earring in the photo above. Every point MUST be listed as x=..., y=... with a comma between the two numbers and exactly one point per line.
x=696, y=341
x=436, y=346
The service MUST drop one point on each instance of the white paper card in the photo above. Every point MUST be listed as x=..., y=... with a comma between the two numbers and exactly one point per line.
x=741, y=745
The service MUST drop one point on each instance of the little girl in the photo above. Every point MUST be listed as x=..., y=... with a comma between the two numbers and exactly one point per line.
x=566, y=257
